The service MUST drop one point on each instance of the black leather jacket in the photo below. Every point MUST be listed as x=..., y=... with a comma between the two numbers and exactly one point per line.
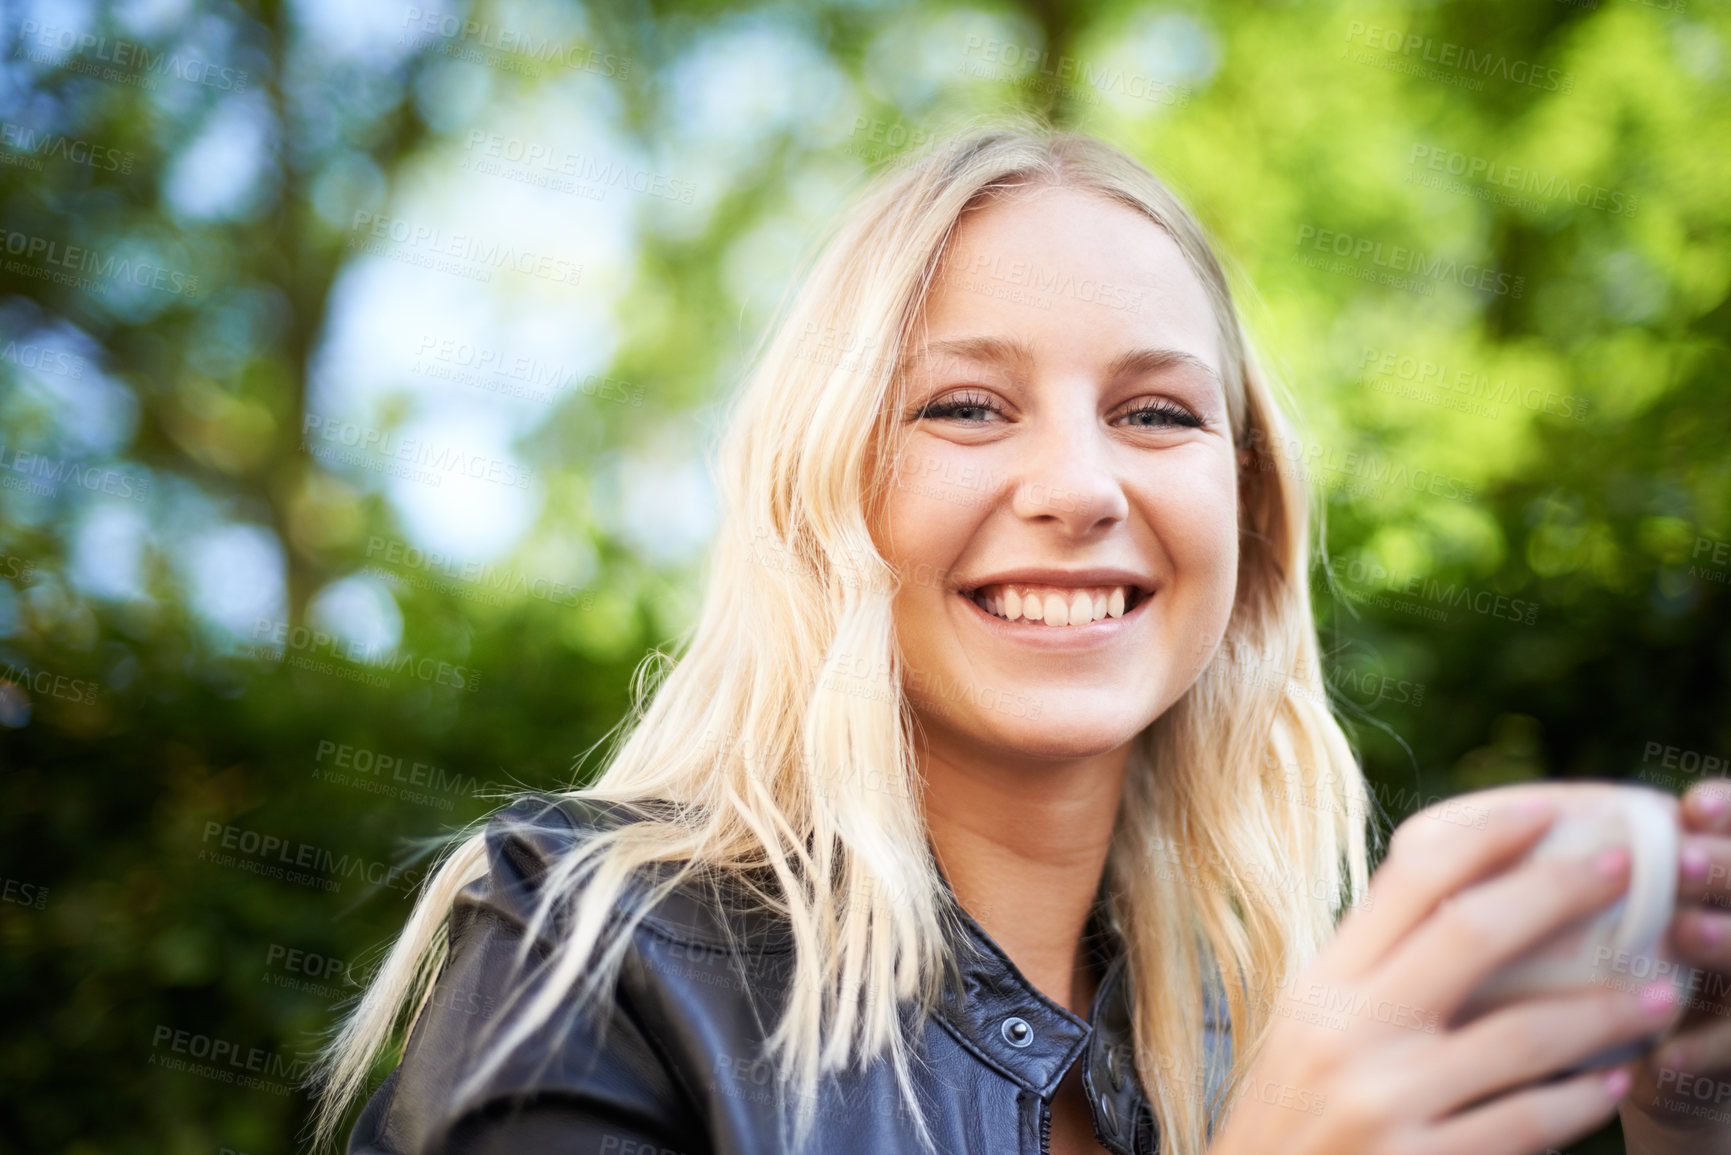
x=680, y=1070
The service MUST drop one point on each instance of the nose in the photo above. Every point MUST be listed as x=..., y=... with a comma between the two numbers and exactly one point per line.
x=1069, y=477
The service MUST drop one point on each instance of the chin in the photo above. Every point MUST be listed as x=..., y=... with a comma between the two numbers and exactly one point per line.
x=1049, y=729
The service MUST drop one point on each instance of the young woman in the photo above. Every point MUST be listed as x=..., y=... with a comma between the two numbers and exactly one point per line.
x=997, y=792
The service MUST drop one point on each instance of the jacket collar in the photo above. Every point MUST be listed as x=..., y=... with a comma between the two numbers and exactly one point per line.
x=1032, y=1041
x=997, y=1014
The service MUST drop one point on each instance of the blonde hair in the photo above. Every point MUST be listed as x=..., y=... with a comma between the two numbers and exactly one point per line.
x=1243, y=828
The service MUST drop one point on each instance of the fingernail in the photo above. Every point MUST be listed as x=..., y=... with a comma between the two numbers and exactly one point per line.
x=1611, y=862
x=1671, y=1057
x=1694, y=863
x=1712, y=804
x=1616, y=1083
x=1709, y=929
x=1658, y=996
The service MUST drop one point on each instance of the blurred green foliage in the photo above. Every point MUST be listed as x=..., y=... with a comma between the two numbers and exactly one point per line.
x=1488, y=245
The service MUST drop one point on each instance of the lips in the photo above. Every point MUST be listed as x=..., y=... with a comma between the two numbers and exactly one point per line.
x=1054, y=606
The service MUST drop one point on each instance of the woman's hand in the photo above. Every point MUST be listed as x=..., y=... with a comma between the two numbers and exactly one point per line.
x=1384, y=1071
x=1681, y=1101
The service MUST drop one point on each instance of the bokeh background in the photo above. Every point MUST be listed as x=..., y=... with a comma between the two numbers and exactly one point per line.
x=359, y=364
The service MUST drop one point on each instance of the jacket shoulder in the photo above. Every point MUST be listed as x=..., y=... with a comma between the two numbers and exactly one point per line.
x=599, y=1064
x=526, y=841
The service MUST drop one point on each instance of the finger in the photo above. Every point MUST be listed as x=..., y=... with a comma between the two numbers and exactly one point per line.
x=1537, y=1038
x=1707, y=807
x=1520, y=1123
x=1701, y=941
x=1430, y=857
x=1468, y=937
x=1704, y=869
x=1702, y=937
x=1699, y=1052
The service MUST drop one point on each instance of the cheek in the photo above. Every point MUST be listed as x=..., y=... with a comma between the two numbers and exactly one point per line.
x=1194, y=513
x=934, y=506
x=1195, y=518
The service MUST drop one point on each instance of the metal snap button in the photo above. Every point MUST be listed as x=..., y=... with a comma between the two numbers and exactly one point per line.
x=1108, y=1114
x=1017, y=1032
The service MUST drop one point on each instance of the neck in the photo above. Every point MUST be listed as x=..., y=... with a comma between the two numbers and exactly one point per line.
x=1023, y=845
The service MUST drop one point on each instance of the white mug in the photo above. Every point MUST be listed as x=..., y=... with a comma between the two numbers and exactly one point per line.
x=1623, y=946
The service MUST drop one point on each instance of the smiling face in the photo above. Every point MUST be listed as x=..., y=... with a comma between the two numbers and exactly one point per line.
x=1072, y=457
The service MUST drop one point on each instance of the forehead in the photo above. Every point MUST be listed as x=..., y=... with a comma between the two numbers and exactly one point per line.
x=1048, y=261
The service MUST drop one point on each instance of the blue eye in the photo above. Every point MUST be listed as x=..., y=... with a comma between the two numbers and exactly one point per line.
x=956, y=404
x=972, y=406
x=1168, y=413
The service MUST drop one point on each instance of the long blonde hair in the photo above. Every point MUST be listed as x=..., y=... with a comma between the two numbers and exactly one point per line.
x=1243, y=828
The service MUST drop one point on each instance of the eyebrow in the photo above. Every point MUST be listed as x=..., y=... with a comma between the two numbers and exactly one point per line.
x=1018, y=353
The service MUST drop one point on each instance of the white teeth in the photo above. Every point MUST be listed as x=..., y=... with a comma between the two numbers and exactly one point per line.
x=1053, y=606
